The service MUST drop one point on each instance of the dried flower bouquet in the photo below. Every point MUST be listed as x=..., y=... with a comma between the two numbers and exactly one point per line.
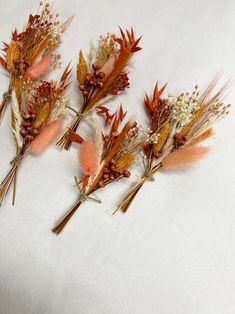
x=37, y=113
x=178, y=126
x=31, y=53
x=104, y=77
x=104, y=158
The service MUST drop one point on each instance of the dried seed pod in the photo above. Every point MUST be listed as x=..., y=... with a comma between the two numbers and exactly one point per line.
x=127, y=173
x=29, y=138
x=23, y=132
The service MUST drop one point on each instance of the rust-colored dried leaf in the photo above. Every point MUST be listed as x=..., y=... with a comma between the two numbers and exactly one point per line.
x=163, y=135
x=82, y=69
x=3, y=63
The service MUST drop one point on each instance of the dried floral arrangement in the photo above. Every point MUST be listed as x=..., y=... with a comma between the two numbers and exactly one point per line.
x=37, y=113
x=103, y=76
x=178, y=126
x=104, y=158
x=31, y=53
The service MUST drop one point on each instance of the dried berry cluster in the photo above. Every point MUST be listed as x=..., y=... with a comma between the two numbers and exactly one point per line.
x=92, y=81
x=28, y=131
x=111, y=173
x=179, y=140
x=43, y=91
x=121, y=83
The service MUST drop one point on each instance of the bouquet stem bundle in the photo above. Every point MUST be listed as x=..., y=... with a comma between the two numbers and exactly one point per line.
x=11, y=176
x=61, y=225
x=130, y=196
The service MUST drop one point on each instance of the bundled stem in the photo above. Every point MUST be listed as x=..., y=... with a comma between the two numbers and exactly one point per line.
x=61, y=225
x=11, y=177
x=130, y=196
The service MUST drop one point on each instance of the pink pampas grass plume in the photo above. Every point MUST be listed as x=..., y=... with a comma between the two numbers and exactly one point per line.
x=109, y=65
x=41, y=68
x=88, y=157
x=47, y=136
x=184, y=157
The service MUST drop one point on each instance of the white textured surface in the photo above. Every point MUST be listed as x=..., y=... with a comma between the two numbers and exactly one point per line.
x=174, y=252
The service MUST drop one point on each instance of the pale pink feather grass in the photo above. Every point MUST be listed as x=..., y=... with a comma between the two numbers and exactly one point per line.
x=47, y=136
x=184, y=157
x=41, y=68
x=109, y=65
x=88, y=157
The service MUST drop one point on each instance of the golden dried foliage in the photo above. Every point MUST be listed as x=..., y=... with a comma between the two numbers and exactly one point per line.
x=125, y=161
x=42, y=115
x=202, y=137
x=13, y=55
x=82, y=69
x=196, y=116
x=163, y=135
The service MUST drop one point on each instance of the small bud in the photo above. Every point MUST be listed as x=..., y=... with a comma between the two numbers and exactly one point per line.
x=127, y=173
x=100, y=84
x=23, y=132
x=29, y=138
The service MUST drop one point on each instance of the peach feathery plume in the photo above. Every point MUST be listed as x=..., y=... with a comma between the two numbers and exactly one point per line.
x=47, y=136
x=184, y=156
x=39, y=69
x=88, y=157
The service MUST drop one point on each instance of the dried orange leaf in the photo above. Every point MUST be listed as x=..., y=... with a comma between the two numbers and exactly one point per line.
x=163, y=135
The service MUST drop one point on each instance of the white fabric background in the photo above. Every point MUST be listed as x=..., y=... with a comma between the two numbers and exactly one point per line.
x=174, y=252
